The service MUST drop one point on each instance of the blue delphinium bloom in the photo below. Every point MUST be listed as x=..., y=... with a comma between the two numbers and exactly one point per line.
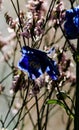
x=71, y=25
x=36, y=62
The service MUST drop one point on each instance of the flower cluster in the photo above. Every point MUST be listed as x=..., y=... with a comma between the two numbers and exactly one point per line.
x=35, y=88
x=71, y=25
x=35, y=19
x=58, y=13
x=66, y=75
x=18, y=82
x=10, y=21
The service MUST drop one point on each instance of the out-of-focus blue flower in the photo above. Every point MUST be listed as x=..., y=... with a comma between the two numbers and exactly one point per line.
x=71, y=25
x=36, y=62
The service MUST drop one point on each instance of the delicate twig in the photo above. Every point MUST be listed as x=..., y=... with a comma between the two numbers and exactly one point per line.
x=18, y=15
x=38, y=115
x=44, y=106
x=2, y=123
x=73, y=50
x=32, y=106
x=20, y=21
x=76, y=119
x=8, y=103
x=30, y=117
x=69, y=119
x=46, y=120
x=20, y=110
x=65, y=102
x=49, y=11
x=5, y=59
x=14, y=7
x=6, y=77
x=9, y=108
x=47, y=17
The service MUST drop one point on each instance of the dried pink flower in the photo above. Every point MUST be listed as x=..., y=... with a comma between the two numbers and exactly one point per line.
x=58, y=13
x=34, y=25
x=10, y=21
x=18, y=82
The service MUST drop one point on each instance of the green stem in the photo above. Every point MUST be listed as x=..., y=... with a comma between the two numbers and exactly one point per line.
x=70, y=112
x=46, y=120
x=6, y=77
x=76, y=119
x=21, y=27
x=9, y=108
x=38, y=117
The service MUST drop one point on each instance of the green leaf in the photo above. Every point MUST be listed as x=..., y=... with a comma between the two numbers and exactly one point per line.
x=63, y=95
x=55, y=102
x=61, y=104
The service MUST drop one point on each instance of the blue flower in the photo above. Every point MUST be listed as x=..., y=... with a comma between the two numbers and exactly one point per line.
x=71, y=25
x=36, y=62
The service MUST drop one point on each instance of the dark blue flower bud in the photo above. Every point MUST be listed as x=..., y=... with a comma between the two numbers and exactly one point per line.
x=36, y=62
x=71, y=25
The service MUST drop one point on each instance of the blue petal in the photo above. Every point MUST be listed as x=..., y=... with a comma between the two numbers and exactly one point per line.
x=30, y=51
x=69, y=14
x=36, y=62
x=23, y=65
x=76, y=22
x=71, y=25
x=32, y=67
x=76, y=10
x=71, y=30
x=51, y=50
x=52, y=70
x=26, y=50
x=53, y=67
x=51, y=73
